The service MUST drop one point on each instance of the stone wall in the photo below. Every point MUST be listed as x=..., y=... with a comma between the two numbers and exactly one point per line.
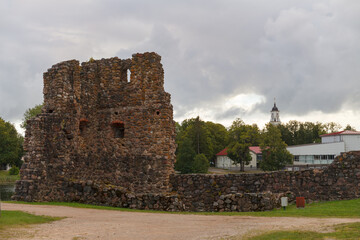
x=99, y=124
x=340, y=180
x=232, y=192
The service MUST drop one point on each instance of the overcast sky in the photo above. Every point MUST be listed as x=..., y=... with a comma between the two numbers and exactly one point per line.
x=222, y=59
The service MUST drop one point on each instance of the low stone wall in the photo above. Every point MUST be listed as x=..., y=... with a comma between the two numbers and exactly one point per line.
x=340, y=180
x=109, y=195
x=204, y=192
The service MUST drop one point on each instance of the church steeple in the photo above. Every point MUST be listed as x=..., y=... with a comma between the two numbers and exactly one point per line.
x=275, y=116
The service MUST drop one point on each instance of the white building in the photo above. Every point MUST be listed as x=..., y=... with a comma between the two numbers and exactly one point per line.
x=223, y=161
x=331, y=145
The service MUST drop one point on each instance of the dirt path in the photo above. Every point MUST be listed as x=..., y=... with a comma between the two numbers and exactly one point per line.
x=105, y=224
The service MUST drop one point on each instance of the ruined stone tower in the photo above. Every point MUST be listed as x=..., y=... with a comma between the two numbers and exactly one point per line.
x=100, y=127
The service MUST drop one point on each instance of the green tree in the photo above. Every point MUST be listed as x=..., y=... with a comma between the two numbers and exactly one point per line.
x=241, y=137
x=239, y=153
x=206, y=138
x=30, y=113
x=185, y=156
x=349, y=128
x=219, y=138
x=295, y=133
x=10, y=144
x=332, y=127
x=196, y=130
x=274, y=153
x=200, y=164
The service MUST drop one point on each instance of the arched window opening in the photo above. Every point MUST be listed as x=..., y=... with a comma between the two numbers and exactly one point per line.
x=118, y=129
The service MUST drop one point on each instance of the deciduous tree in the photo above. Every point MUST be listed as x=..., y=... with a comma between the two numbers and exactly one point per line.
x=200, y=164
x=349, y=128
x=274, y=153
x=185, y=156
x=241, y=137
x=10, y=144
x=30, y=113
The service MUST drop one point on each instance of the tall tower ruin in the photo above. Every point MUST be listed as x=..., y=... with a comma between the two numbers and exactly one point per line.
x=106, y=122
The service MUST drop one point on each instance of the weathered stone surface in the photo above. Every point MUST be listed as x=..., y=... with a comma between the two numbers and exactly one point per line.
x=97, y=127
x=262, y=191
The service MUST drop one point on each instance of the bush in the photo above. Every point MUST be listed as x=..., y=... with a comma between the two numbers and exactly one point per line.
x=201, y=164
x=14, y=170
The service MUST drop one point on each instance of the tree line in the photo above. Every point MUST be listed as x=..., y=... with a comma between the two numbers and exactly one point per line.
x=197, y=139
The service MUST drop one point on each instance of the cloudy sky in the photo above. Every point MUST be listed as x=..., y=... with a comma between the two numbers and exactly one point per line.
x=222, y=59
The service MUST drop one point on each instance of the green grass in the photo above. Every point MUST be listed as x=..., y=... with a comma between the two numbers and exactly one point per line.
x=10, y=220
x=342, y=231
x=214, y=170
x=339, y=209
x=5, y=177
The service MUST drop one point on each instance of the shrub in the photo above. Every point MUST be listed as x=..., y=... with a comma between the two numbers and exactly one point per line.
x=201, y=164
x=14, y=170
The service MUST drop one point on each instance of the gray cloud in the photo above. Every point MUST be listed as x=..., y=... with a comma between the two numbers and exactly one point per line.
x=304, y=53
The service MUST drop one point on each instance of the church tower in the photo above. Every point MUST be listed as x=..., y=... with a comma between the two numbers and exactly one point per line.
x=275, y=117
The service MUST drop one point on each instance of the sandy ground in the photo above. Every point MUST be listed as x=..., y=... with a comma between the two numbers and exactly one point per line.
x=105, y=224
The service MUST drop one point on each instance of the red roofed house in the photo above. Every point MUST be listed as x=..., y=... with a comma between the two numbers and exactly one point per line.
x=223, y=161
x=331, y=145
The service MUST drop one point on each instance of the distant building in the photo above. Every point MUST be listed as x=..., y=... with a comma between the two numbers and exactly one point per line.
x=256, y=156
x=5, y=166
x=324, y=153
x=275, y=115
x=223, y=161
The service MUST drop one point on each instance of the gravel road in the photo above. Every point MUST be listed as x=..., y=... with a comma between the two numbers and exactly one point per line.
x=83, y=223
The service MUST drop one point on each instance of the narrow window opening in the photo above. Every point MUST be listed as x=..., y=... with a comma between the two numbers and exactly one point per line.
x=128, y=75
x=118, y=129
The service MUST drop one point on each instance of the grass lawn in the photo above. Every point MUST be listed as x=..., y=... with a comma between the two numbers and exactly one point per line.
x=214, y=170
x=342, y=231
x=10, y=220
x=5, y=177
x=338, y=209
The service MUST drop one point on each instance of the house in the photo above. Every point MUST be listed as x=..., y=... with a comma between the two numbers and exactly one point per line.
x=223, y=161
x=256, y=156
x=324, y=153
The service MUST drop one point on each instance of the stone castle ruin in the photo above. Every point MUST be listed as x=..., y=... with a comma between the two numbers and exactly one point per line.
x=106, y=136
x=107, y=121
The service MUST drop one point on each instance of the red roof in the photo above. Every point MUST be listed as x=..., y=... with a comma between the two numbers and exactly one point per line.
x=222, y=152
x=347, y=132
x=254, y=149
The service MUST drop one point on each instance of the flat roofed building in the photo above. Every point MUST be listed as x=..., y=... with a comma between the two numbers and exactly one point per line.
x=331, y=145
